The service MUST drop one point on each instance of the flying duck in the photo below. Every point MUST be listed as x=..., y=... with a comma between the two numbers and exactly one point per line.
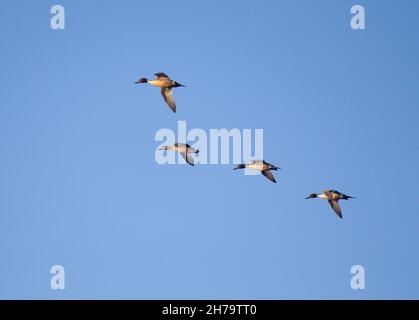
x=185, y=150
x=166, y=84
x=333, y=197
x=261, y=166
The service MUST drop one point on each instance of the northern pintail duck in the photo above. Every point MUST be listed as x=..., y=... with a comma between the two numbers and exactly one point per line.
x=166, y=84
x=185, y=150
x=261, y=166
x=333, y=197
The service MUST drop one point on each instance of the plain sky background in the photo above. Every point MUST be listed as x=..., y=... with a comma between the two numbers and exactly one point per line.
x=79, y=185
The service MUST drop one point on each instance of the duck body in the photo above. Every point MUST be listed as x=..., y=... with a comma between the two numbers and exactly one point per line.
x=333, y=197
x=184, y=149
x=160, y=83
x=262, y=166
x=166, y=84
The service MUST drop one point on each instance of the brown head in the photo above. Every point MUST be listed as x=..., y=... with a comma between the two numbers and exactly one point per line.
x=142, y=80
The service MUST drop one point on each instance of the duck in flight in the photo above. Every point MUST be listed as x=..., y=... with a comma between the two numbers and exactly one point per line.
x=185, y=150
x=166, y=84
x=333, y=197
x=261, y=166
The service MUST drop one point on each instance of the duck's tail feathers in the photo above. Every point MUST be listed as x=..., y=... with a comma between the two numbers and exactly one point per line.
x=345, y=197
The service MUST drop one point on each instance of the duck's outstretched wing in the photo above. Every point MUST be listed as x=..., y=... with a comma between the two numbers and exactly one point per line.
x=336, y=207
x=269, y=175
x=168, y=97
x=188, y=158
x=161, y=75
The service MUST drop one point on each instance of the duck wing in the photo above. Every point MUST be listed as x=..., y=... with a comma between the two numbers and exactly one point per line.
x=328, y=193
x=161, y=75
x=336, y=207
x=188, y=158
x=168, y=97
x=269, y=175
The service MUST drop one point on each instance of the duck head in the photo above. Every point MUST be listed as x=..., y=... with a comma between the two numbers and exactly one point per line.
x=312, y=195
x=142, y=80
x=240, y=166
x=164, y=148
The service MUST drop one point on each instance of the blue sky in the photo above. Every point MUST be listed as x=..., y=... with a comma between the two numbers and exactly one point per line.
x=79, y=185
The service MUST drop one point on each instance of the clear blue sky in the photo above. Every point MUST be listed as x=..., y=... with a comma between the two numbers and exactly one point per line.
x=79, y=185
